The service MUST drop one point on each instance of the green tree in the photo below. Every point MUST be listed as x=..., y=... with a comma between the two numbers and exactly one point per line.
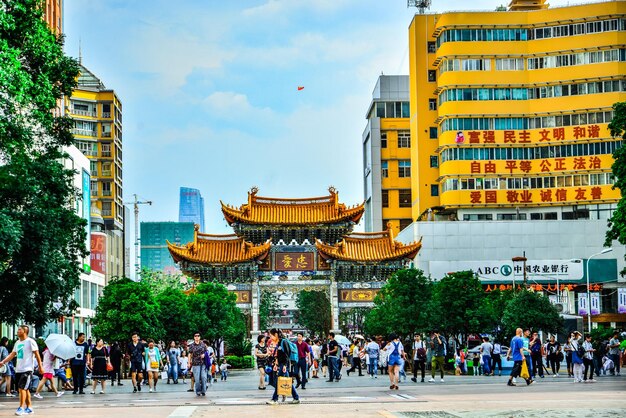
x=125, y=307
x=174, y=315
x=41, y=238
x=351, y=320
x=314, y=311
x=457, y=306
x=269, y=309
x=492, y=310
x=531, y=310
x=401, y=306
x=617, y=222
x=213, y=312
x=159, y=281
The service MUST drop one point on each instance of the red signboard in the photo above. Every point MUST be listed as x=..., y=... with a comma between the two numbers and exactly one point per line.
x=294, y=262
x=98, y=252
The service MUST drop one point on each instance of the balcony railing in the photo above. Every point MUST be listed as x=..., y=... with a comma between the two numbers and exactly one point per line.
x=90, y=113
x=106, y=173
x=106, y=115
x=90, y=153
x=94, y=173
x=84, y=132
x=106, y=193
x=107, y=212
x=106, y=134
x=94, y=192
x=106, y=153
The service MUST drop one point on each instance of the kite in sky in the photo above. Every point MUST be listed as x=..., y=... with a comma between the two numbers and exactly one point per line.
x=300, y=88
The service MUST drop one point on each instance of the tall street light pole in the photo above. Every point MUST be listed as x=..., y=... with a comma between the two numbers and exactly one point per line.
x=136, y=202
x=606, y=250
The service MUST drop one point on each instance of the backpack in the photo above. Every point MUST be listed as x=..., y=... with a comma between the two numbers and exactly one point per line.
x=421, y=354
x=291, y=350
x=580, y=350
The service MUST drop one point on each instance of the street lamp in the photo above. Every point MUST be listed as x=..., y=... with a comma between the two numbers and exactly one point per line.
x=522, y=259
x=606, y=250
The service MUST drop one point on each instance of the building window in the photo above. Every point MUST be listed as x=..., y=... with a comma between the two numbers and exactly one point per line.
x=434, y=161
x=380, y=110
x=432, y=104
x=432, y=76
x=106, y=150
x=106, y=209
x=404, y=197
x=432, y=47
x=106, y=188
x=434, y=190
x=405, y=223
x=404, y=168
x=383, y=139
x=93, y=168
x=433, y=132
x=384, y=169
x=511, y=216
x=404, y=139
x=385, y=198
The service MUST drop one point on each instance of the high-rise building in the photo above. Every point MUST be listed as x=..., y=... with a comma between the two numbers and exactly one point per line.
x=97, y=115
x=191, y=207
x=511, y=111
x=387, y=156
x=154, y=237
x=53, y=15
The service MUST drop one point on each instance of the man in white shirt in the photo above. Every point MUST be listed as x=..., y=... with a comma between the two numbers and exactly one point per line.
x=588, y=358
x=25, y=349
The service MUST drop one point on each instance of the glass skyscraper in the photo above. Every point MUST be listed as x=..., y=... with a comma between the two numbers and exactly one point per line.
x=191, y=207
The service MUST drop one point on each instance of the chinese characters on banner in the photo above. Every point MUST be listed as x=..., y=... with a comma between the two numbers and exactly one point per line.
x=536, y=195
x=534, y=136
x=294, y=262
x=621, y=300
x=595, y=304
x=583, y=308
x=546, y=165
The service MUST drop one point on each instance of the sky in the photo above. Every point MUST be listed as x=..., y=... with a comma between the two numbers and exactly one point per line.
x=210, y=91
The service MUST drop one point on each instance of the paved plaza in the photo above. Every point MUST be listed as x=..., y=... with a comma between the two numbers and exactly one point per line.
x=459, y=396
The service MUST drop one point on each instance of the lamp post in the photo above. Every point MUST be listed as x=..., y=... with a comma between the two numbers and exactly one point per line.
x=606, y=250
x=522, y=259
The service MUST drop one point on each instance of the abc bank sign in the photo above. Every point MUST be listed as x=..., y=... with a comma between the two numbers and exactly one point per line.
x=506, y=270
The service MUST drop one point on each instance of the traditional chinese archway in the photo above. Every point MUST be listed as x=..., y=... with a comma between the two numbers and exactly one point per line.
x=288, y=245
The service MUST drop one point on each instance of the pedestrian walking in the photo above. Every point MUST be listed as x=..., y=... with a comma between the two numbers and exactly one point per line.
x=8, y=373
x=79, y=363
x=485, y=351
x=554, y=355
x=526, y=340
x=419, y=357
x=197, y=351
x=154, y=362
x=280, y=364
x=173, y=363
x=517, y=353
x=184, y=365
x=496, y=358
x=260, y=352
x=116, y=357
x=48, y=365
x=98, y=361
x=395, y=351
x=333, y=359
x=588, y=358
x=356, y=357
x=614, y=352
x=373, y=352
x=26, y=350
x=304, y=360
x=567, y=348
x=438, y=349
x=316, y=349
x=135, y=352
x=577, y=356
x=536, y=354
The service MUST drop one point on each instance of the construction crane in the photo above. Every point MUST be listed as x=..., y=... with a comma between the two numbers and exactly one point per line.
x=136, y=202
x=422, y=5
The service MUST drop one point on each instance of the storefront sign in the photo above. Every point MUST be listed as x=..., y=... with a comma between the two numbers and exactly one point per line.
x=583, y=308
x=536, y=136
x=503, y=270
x=294, y=261
x=362, y=295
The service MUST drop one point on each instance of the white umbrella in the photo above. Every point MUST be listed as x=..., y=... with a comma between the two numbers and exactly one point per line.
x=359, y=336
x=342, y=340
x=61, y=346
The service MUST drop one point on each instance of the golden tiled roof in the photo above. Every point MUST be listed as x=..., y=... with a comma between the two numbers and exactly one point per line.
x=368, y=247
x=312, y=211
x=218, y=249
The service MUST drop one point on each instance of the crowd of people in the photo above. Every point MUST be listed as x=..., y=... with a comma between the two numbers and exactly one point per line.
x=281, y=358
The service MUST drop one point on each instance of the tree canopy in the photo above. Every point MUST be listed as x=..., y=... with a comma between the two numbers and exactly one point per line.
x=41, y=237
x=617, y=222
x=531, y=310
x=402, y=305
x=314, y=311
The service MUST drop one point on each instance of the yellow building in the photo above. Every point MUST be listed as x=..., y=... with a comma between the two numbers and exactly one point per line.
x=509, y=111
x=53, y=15
x=387, y=156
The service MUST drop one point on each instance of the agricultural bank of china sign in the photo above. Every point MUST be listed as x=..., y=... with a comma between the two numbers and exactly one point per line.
x=506, y=270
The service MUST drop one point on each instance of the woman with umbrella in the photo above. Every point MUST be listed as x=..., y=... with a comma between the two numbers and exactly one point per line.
x=98, y=362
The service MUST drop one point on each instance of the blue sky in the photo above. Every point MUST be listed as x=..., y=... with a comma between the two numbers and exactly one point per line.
x=210, y=99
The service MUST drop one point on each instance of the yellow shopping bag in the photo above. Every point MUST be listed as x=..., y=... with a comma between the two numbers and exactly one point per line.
x=524, y=373
x=284, y=386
